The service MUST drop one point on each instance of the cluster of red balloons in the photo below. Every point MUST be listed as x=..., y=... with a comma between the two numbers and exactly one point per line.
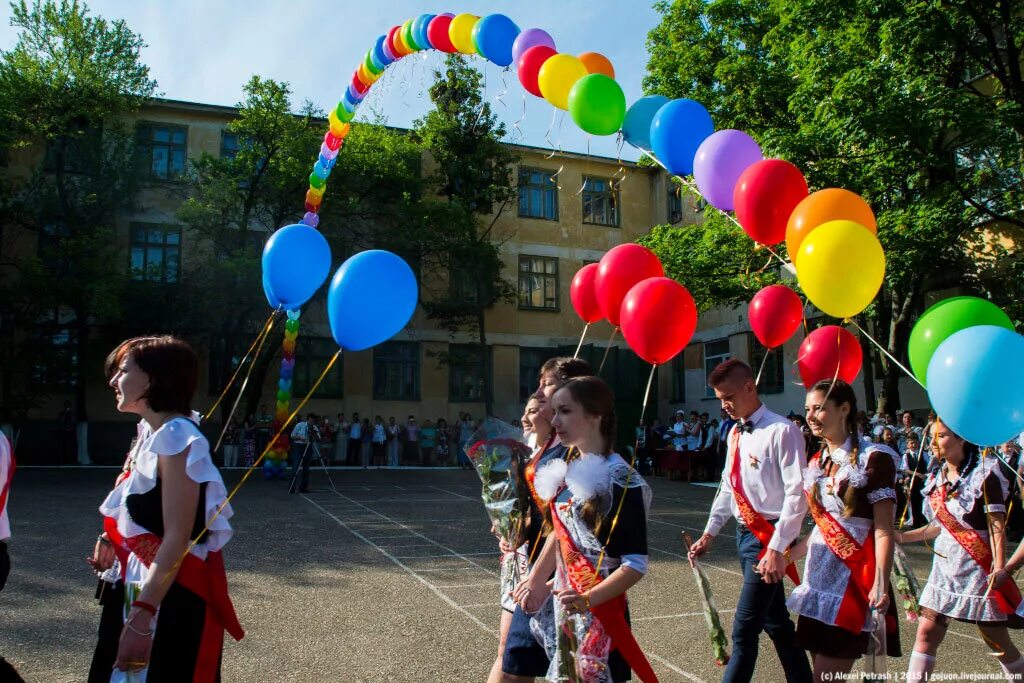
x=628, y=287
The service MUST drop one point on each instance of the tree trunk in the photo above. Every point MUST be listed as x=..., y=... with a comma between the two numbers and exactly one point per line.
x=868, y=370
x=484, y=365
x=901, y=307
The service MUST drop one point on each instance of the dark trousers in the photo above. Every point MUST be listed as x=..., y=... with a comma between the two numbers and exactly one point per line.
x=762, y=607
x=355, y=449
x=296, y=457
x=5, y=564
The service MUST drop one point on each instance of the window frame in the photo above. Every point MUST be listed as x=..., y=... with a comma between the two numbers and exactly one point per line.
x=133, y=272
x=413, y=361
x=720, y=357
x=757, y=352
x=612, y=192
x=144, y=145
x=455, y=367
x=678, y=370
x=544, y=278
x=313, y=361
x=529, y=187
x=674, y=203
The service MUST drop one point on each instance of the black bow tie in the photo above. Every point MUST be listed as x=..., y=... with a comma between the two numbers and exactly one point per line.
x=745, y=426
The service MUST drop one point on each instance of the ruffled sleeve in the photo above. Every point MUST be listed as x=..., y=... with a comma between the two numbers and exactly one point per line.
x=881, y=475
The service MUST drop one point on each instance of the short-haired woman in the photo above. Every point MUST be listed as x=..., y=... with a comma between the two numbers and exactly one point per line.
x=161, y=520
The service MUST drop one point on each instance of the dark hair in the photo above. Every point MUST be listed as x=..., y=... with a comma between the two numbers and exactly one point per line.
x=838, y=393
x=971, y=452
x=565, y=368
x=170, y=364
x=733, y=368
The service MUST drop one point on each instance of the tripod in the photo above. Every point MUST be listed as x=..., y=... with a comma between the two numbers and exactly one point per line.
x=302, y=464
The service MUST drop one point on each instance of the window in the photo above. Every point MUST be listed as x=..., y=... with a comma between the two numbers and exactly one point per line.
x=311, y=357
x=530, y=362
x=715, y=353
x=600, y=202
x=51, y=247
x=538, y=282
x=81, y=152
x=396, y=371
x=155, y=252
x=462, y=286
x=773, y=373
x=675, y=203
x=229, y=145
x=538, y=194
x=466, y=374
x=55, y=363
x=678, y=379
x=162, y=150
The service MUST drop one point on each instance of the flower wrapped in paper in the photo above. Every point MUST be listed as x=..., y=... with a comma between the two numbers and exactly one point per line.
x=499, y=455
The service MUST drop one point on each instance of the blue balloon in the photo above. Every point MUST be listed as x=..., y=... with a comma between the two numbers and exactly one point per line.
x=380, y=58
x=354, y=95
x=975, y=381
x=494, y=35
x=321, y=171
x=371, y=298
x=419, y=30
x=271, y=299
x=296, y=261
x=677, y=131
x=348, y=104
x=636, y=129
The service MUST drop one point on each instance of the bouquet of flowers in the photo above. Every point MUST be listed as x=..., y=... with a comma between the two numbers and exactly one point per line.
x=499, y=456
x=904, y=583
x=719, y=641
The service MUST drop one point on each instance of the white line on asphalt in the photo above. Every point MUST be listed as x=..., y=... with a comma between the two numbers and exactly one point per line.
x=475, y=500
x=672, y=667
x=679, y=616
x=703, y=564
x=451, y=603
x=467, y=585
x=446, y=569
x=462, y=555
x=691, y=528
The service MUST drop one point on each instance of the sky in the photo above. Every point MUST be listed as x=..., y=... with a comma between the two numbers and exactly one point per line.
x=201, y=51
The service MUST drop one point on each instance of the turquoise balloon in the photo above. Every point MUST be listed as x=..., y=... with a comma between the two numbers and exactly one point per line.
x=597, y=104
x=371, y=298
x=975, y=381
x=636, y=128
x=944, y=319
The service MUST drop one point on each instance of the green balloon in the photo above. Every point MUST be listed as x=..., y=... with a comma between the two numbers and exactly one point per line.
x=943, y=320
x=344, y=115
x=370, y=66
x=408, y=37
x=597, y=104
x=316, y=181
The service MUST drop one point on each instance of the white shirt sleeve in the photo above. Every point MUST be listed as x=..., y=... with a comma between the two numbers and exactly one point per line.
x=792, y=461
x=721, y=508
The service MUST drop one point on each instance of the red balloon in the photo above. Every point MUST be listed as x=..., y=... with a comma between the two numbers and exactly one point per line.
x=392, y=39
x=765, y=195
x=358, y=85
x=437, y=33
x=658, y=318
x=581, y=293
x=529, y=66
x=825, y=349
x=618, y=270
x=775, y=315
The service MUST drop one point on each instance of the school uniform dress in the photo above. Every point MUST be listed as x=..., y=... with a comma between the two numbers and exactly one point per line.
x=839, y=571
x=192, y=618
x=7, y=467
x=762, y=487
x=597, y=645
x=958, y=583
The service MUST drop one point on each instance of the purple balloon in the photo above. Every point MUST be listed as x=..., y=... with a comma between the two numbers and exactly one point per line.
x=721, y=160
x=531, y=37
x=311, y=219
x=388, y=53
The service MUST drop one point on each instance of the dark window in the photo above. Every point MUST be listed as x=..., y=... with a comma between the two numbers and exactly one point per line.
x=225, y=355
x=311, y=357
x=55, y=361
x=51, y=247
x=466, y=373
x=538, y=194
x=155, y=252
x=396, y=371
x=715, y=353
x=678, y=379
x=530, y=362
x=773, y=373
x=162, y=150
x=600, y=202
x=675, y=203
x=462, y=286
x=538, y=282
x=80, y=152
x=229, y=144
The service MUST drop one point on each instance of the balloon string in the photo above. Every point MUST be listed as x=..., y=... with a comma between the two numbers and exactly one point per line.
x=582, y=337
x=586, y=170
x=913, y=476
x=241, y=390
x=267, y=326
x=887, y=354
x=547, y=133
x=607, y=349
x=500, y=98
x=629, y=475
x=764, y=361
x=254, y=465
x=517, y=132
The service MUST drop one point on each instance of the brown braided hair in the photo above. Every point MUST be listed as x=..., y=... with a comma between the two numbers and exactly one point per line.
x=837, y=393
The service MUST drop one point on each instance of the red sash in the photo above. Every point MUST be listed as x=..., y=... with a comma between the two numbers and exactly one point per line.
x=612, y=614
x=858, y=558
x=10, y=477
x=530, y=471
x=1007, y=595
x=755, y=521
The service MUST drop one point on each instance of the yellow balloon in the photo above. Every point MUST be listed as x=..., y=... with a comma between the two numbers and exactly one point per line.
x=840, y=267
x=338, y=129
x=460, y=32
x=557, y=76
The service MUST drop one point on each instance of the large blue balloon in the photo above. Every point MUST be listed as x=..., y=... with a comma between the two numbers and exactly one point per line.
x=976, y=384
x=296, y=261
x=419, y=30
x=271, y=299
x=371, y=298
x=494, y=35
x=636, y=129
x=677, y=131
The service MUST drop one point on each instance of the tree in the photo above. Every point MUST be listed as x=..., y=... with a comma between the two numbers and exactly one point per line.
x=65, y=87
x=473, y=173
x=865, y=96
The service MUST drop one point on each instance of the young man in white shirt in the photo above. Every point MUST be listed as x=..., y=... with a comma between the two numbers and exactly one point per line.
x=762, y=487
x=299, y=439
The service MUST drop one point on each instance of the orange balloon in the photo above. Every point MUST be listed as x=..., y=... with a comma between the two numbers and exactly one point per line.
x=823, y=206
x=597, y=63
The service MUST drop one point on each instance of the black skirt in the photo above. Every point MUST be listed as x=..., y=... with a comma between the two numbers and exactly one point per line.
x=833, y=641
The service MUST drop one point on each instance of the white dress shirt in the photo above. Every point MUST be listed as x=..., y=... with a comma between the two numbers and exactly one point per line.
x=775, y=486
x=5, y=468
x=300, y=433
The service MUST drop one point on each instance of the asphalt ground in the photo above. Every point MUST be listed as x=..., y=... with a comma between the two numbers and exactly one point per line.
x=393, y=578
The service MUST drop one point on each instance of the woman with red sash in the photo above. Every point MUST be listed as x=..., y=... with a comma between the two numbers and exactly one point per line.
x=597, y=506
x=850, y=488
x=161, y=522
x=964, y=498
